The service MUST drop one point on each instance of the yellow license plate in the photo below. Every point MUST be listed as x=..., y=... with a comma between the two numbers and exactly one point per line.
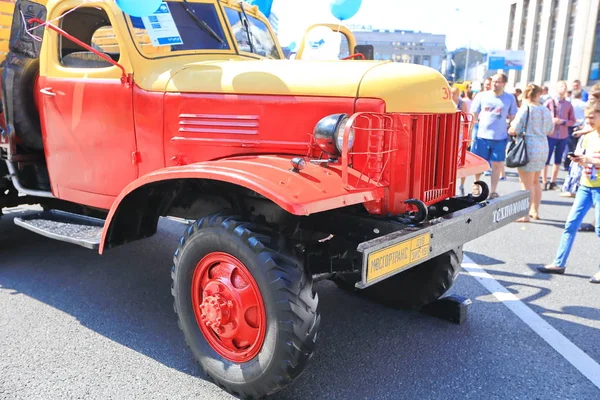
x=397, y=257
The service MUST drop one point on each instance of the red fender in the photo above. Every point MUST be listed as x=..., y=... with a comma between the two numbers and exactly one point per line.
x=312, y=190
x=473, y=165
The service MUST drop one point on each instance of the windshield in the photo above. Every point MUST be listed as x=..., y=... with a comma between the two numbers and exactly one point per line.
x=261, y=40
x=179, y=26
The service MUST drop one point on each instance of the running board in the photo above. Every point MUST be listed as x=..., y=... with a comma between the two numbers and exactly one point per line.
x=65, y=227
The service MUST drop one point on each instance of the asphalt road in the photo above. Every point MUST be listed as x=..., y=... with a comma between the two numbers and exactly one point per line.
x=74, y=324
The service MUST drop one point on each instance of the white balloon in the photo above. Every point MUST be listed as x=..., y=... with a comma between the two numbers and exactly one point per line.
x=322, y=43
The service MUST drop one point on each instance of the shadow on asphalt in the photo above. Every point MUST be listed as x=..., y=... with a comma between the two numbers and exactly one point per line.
x=125, y=296
x=484, y=260
x=557, y=203
x=541, y=292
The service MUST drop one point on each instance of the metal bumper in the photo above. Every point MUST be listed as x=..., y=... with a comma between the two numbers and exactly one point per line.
x=418, y=244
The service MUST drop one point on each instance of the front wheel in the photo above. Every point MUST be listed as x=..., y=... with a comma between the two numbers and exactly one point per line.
x=245, y=305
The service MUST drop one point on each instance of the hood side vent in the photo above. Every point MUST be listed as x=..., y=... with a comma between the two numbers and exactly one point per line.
x=219, y=124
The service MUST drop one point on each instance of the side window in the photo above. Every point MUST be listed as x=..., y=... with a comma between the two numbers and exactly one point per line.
x=105, y=40
x=259, y=35
x=91, y=26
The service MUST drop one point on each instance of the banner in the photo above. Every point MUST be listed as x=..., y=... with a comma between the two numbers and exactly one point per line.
x=506, y=59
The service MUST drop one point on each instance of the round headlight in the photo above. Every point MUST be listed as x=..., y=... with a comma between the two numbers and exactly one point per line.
x=328, y=134
x=339, y=136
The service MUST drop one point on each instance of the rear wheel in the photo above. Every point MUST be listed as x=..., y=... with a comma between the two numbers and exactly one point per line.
x=245, y=305
x=414, y=288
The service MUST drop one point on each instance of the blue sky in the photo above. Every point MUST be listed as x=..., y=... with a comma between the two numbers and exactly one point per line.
x=482, y=22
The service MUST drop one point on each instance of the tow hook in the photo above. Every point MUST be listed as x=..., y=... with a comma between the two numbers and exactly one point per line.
x=421, y=215
x=485, y=192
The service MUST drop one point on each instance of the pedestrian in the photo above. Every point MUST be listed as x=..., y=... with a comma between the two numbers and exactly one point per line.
x=563, y=117
x=486, y=86
x=461, y=105
x=493, y=110
x=588, y=194
x=577, y=86
x=579, y=110
x=518, y=96
x=573, y=178
x=534, y=122
x=468, y=98
x=545, y=95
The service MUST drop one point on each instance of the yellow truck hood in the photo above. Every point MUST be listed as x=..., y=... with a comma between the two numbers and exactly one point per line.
x=404, y=87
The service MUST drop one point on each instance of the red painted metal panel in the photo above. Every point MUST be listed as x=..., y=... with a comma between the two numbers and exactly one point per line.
x=89, y=137
x=369, y=105
x=200, y=127
x=472, y=165
x=313, y=190
x=149, y=114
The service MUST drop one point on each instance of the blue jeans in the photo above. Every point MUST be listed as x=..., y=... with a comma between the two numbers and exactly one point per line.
x=584, y=199
x=557, y=146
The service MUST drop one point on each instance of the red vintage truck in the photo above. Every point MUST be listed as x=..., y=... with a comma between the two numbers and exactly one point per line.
x=291, y=170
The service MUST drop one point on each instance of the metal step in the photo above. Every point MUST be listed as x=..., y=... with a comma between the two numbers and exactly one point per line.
x=65, y=227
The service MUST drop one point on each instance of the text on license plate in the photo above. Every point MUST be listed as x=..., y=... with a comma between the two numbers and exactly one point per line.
x=398, y=256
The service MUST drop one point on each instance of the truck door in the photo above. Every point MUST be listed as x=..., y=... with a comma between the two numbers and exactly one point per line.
x=87, y=112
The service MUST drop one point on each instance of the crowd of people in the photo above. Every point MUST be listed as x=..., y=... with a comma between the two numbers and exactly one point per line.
x=559, y=129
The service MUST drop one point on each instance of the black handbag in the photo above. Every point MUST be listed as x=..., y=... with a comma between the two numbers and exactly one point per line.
x=516, y=154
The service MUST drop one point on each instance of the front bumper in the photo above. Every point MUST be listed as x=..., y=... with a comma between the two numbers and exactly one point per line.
x=396, y=252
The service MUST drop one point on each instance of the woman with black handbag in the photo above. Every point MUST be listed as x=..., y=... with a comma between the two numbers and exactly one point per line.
x=532, y=124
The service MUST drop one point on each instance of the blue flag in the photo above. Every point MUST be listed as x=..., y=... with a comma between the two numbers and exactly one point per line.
x=263, y=5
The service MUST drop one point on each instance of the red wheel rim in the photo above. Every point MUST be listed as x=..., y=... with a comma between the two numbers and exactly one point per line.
x=228, y=307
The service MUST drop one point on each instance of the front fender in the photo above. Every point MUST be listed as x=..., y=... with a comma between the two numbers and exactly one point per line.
x=474, y=165
x=312, y=190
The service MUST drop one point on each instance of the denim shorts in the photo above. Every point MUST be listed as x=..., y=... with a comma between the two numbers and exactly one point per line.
x=490, y=150
x=557, y=146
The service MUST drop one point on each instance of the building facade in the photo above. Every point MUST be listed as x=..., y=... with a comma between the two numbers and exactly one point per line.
x=403, y=46
x=561, y=39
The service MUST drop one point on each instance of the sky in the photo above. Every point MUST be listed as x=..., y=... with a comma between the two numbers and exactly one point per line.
x=482, y=23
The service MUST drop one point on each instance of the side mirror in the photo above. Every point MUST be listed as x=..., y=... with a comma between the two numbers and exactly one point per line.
x=317, y=37
x=22, y=37
x=365, y=49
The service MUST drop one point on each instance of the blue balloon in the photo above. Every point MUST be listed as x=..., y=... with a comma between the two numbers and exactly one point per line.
x=345, y=9
x=292, y=46
x=139, y=8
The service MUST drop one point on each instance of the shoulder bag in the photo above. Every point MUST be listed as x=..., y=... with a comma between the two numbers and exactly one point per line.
x=516, y=154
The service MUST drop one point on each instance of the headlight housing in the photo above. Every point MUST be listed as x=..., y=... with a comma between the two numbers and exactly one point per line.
x=329, y=134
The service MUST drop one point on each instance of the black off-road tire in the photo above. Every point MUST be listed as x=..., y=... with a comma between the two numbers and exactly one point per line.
x=18, y=87
x=290, y=304
x=415, y=287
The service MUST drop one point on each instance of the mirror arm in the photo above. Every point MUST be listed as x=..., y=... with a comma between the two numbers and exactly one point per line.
x=125, y=78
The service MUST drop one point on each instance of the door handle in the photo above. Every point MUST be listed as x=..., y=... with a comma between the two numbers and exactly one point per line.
x=48, y=92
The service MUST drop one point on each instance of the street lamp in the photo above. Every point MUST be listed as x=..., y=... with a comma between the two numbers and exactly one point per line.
x=467, y=61
x=470, y=33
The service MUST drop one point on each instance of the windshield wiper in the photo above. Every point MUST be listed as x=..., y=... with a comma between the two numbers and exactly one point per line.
x=201, y=23
x=247, y=26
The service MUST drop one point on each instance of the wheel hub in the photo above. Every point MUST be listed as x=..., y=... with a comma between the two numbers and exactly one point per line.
x=228, y=307
x=215, y=312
